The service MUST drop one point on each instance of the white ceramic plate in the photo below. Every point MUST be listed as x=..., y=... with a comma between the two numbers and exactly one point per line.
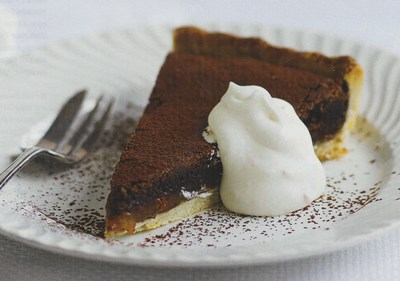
x=62, y=209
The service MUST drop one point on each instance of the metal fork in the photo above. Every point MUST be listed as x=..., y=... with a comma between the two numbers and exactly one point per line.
x=69, y=138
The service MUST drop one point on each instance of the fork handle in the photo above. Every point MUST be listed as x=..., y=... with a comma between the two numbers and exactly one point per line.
x=18, y=163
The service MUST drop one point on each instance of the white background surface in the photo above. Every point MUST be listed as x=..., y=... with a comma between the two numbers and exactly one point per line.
x=42, y=22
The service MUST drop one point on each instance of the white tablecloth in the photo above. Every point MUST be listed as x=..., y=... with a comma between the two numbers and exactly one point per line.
x=41, y=22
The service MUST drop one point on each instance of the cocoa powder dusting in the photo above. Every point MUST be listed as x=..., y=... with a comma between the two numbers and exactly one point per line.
x=73, y=200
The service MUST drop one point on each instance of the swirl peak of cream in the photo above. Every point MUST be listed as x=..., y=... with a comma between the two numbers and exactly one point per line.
x=268, y=159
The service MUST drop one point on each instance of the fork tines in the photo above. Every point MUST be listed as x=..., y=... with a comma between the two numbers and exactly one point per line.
x=88, y=121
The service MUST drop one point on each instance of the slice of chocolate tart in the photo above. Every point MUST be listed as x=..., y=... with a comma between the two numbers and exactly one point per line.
x=168, y=171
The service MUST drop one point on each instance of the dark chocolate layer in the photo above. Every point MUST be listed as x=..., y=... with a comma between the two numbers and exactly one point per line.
x=167, y=151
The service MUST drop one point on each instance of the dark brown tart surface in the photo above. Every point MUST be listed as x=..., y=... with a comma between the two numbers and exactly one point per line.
x=343, y=70
x=167, y=151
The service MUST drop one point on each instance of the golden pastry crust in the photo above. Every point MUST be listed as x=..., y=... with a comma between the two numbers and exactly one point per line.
x=183, y=210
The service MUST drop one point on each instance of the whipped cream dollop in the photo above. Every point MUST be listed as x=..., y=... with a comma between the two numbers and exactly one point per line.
x=268, y=159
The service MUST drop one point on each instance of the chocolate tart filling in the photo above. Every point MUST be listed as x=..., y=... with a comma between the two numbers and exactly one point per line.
x=167, y=153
